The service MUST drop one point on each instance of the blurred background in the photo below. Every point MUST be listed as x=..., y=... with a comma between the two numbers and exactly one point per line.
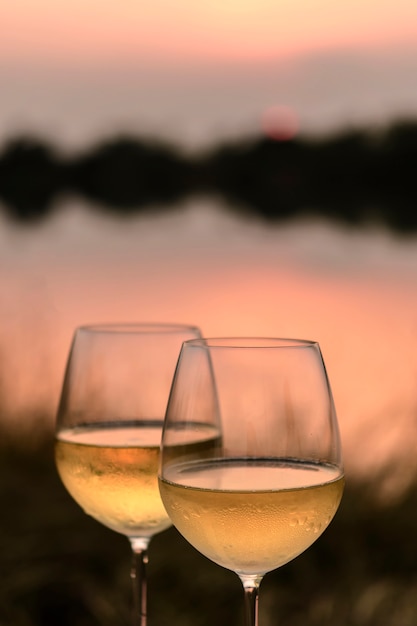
x=245, y=166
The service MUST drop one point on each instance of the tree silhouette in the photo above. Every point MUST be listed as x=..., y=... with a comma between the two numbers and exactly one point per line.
x=354, y=176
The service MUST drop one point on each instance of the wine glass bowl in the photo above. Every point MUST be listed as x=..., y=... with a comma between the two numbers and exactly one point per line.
x=110, y=472
x=108, y=430
x=274, y=479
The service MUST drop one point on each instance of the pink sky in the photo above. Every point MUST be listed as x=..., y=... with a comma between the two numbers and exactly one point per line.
x=99, y=30
x=196, y=73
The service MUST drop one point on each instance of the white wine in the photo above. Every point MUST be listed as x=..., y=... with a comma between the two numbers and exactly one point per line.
x=111, y=471
x=251, y=515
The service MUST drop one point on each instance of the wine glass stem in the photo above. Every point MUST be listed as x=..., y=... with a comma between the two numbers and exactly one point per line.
x=139, y=580
x=251, y=589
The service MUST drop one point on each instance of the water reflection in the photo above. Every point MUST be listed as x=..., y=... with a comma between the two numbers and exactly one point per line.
x=353, y=291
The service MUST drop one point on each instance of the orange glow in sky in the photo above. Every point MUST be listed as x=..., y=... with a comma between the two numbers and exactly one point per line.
x=196, y=72
x=47, y=30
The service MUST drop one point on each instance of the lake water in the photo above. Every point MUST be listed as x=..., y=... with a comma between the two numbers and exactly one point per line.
x=354, y=291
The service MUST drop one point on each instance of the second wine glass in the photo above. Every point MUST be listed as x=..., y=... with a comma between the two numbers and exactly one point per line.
x=109, y=427
x=274, y=477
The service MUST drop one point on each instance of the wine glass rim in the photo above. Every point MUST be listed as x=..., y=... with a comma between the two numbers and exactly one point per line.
x=251, y=342
x=137, y=328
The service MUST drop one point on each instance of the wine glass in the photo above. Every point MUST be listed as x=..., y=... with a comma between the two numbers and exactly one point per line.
x=275, y=478
x=108, y=431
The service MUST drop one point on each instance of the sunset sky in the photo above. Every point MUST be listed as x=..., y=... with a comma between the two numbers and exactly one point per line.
x=167, y=30
x=80, y=69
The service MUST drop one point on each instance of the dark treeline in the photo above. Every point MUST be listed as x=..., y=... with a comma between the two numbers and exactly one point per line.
x=354, y=176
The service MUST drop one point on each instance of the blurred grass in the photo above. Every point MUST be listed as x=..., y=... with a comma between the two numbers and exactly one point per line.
x=59, y=567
